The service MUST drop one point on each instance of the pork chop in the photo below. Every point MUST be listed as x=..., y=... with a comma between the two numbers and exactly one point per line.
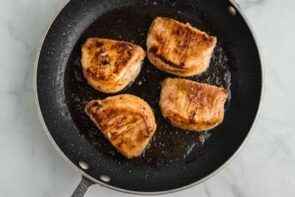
x=179, y=48
x=127, y=122
x=191, y=105
x=110, y=65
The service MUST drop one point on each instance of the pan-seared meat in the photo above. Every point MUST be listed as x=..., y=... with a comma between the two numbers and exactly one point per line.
x=127, y=122
x=179, y=48
x=110, y=65
x=192, y=106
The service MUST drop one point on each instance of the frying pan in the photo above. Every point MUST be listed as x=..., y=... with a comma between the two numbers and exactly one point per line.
x=174, y=159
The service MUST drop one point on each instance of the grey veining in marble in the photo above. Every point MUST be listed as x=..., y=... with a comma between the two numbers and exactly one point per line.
x=30, y=166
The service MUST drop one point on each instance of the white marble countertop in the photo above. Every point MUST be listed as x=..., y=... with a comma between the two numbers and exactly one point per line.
x=30, y=166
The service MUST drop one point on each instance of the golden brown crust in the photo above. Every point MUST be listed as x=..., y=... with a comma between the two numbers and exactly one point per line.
x=192, y=106
x=110, y=65
x=126, y=120
x=179, y=48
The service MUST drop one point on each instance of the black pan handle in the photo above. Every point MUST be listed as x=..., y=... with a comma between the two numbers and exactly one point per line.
x=82, y=188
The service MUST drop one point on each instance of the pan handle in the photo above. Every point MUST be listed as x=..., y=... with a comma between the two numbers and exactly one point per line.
x=82, y=188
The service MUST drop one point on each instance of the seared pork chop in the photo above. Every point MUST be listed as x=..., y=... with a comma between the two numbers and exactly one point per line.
x=192, y=106
x=110, y=65
x=179, y=48
x=127, y=122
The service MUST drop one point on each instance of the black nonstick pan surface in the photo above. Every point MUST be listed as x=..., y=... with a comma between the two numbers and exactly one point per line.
x=174, y=159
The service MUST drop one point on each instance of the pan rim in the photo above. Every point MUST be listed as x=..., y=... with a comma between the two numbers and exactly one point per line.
x=95, y=181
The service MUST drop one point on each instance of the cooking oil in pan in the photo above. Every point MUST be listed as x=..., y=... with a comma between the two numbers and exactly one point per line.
x=169, y=144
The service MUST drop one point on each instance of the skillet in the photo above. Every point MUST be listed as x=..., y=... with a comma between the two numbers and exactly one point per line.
x=174, y=159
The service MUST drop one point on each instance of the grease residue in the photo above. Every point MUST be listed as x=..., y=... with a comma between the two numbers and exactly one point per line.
x=169, y=144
